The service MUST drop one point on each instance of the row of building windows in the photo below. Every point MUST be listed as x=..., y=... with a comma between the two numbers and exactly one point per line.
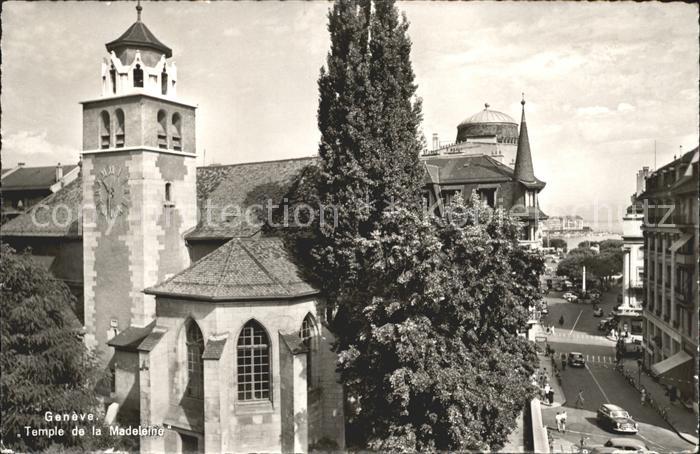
x=105, y=132
x=253, y=366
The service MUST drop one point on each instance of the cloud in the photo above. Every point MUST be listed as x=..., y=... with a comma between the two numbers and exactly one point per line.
x=34, y=148
x=624, y=107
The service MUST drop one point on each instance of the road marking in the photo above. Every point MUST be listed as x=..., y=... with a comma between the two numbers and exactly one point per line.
x=572, y=328
x=598, y=384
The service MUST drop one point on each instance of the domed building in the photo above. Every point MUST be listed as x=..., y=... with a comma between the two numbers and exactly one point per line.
x=488, y=132
x=492, y=159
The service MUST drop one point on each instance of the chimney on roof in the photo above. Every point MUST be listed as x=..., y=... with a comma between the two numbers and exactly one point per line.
x=642, y=176
x=436, y=142
x=59, y=172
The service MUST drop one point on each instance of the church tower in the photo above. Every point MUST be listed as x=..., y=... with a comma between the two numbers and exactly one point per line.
x=139, y=184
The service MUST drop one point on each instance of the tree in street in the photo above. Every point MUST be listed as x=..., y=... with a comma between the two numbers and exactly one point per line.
x=558, y=243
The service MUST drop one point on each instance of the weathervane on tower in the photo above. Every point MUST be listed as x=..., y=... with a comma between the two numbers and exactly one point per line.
x=139, y=8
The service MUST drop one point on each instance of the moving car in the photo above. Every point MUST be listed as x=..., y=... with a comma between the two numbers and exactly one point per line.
x=597, y=312
x=617, y=419
x=568, y=296
x=575, y=359
x=604, y=324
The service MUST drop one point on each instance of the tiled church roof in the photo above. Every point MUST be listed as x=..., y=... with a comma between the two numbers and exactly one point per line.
x=235, y=188
x=236, y=185
x=28, y=178
x=470, y=168
x=58, y=215
x=242, y=269
x=138, y=35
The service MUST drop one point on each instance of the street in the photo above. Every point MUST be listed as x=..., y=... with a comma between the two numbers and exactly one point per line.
x=599, y=381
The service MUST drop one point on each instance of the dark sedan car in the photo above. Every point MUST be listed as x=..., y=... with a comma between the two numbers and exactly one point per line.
x=616, y=419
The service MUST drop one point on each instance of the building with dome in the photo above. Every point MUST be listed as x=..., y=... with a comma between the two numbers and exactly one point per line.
x=487, y=132
x=491, y=158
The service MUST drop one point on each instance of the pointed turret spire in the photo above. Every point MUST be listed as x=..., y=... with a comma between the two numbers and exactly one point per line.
x=523, y=158
x=139, y=8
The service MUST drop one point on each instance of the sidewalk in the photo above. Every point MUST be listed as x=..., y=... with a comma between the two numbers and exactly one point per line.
x=680, y=418
x=559, y=397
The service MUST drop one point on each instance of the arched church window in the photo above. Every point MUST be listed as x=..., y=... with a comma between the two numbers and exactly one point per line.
x=162, y=129
x=164, y=82
x=119, y=133
x=138, y=76
x=177, y=137
x=309, y=339
x=113, y=78
x=253, y=363
x=105, y=131
x=195, y=366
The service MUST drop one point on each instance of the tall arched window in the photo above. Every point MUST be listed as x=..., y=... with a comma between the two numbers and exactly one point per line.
x=308, y=337
x=119, y=133
x=195, y=367
x=138, y=76
x=105, y=131
x=164, y=82
x=253, y=364
x=162, y=129
x=177, y=138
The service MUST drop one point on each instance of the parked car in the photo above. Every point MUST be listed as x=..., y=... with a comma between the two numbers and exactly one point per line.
x=598, y=312
x=575, y=359
x=627, y=444
x=616, y=419
x=595, y=294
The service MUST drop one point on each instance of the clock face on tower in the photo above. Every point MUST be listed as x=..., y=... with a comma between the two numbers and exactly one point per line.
x=111, y=192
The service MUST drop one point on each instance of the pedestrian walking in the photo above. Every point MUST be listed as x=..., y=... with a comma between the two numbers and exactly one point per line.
x=547, y=388
x=551, y=329
x=550, y=396
x=563, y=361
x=563, y=421
x=557, y=418
x=579, y=399
x=561, y=321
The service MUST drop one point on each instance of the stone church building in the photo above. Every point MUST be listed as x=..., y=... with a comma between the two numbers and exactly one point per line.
x=205, y=322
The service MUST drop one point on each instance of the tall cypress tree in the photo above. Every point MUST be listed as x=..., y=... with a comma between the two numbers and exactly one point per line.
x=426, y=310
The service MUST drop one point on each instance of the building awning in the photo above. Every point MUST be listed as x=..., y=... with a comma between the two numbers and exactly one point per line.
x=670, y=363
x=680, y=241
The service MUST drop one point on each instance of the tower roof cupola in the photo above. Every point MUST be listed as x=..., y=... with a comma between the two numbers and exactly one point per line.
x=524, y=172
x=140, y=37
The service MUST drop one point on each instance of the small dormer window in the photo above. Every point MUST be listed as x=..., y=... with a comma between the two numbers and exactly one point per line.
x=138, y=76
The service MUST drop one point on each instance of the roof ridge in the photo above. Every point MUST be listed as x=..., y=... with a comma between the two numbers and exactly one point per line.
x=228, y=260
x=263, y=268
x=257, y=162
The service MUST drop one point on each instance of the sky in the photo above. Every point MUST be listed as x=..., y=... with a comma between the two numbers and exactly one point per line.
x=606, y=83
